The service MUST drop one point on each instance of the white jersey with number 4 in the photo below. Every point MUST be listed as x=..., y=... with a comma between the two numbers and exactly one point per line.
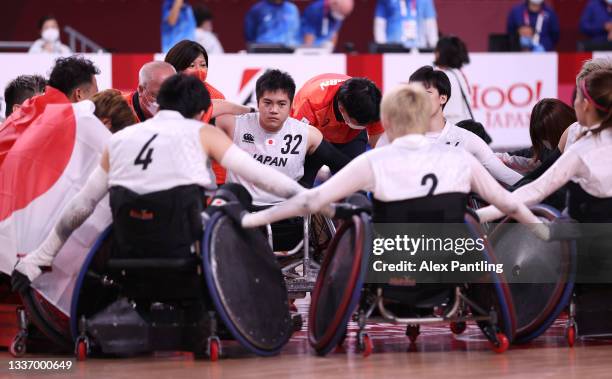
x=284, y=150
x=159, y=154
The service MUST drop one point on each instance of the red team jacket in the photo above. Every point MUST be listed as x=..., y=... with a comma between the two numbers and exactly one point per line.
x=314, y=104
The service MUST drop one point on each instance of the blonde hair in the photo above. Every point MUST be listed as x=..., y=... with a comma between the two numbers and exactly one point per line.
x=595, y=64
x=405, y=109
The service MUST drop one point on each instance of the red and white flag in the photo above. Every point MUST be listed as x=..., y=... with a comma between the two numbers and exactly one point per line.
x=47, y=164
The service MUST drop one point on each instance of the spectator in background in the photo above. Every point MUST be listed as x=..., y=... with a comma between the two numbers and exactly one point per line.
x=22, y=88
x=143, y=101
x=536, y=24
x=451, y=54
x=112, y=109
x=273, y=22
x=204, y=32
x=549, y=119
x=409, y=22
x=178, y=23
x=50, y=38
x=596, y=20
x=322, y=20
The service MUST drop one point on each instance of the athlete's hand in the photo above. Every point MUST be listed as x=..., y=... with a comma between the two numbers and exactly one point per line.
x=235, y=211
x=19, y=282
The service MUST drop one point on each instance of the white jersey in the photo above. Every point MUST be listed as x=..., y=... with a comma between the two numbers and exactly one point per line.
x=413, y=167
x=458, y=137
x=456, y=109
x=454, y=136
x=161, y=153
x=284, y=150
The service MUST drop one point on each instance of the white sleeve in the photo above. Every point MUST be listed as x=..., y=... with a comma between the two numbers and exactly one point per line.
x=357, y=175
x=483, y=184
x=491, y=162
x=382, y=141
x=75, y=213
x=262, y=176
x=380, y=30
x=567, y=166
x=431, y=31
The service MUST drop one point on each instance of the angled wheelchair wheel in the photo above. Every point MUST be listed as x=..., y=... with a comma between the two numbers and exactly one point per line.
x=246, y=285
x=541, y=275
x=492, y=294
x=338, y=287
x=90, y=294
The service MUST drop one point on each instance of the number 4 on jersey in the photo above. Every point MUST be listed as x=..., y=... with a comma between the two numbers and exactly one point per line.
x=149, y=155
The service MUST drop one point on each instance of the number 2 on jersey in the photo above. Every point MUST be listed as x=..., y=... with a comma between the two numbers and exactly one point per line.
x=149, y=155
x=434, y=183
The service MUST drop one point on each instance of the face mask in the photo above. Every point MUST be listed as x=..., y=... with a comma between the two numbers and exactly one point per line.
x=152, y=107
x=50, y=34
x=536, y=2
x=200, y=74
x=340, y=17
x=356, y=127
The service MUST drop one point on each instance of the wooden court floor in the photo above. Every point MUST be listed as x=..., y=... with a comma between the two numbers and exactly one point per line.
x=437, y=354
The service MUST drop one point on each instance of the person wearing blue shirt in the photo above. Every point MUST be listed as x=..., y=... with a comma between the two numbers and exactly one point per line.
x=536, y=24
x=272, y=21
x=322, y=20
x=409, y=22
x=596, y=20
x=178, y=23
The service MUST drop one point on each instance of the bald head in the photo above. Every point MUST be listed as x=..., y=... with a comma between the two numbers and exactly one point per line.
x=341, y=7
x=150, y=79
x=155, y=71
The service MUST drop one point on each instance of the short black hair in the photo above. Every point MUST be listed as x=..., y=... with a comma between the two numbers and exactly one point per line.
x=452, y=52
x=361, y=99
x=433, y=78
x=69, y=73
x=184, y=94
x=183, y=53
x=44, y=19
x=22, y=88
x=274, y=80
x=202, y=13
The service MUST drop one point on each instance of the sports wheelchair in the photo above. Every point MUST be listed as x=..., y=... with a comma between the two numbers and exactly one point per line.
x=169, y=275
x=341, y=291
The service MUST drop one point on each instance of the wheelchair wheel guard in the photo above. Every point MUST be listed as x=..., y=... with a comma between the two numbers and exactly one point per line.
x=537, y=304
x=246, y=285
x=338, y=287
x=494, y=293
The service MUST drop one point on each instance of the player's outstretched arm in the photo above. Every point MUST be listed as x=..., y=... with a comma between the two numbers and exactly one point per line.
x=356, y=176
x=491, y=191
x=74, y=214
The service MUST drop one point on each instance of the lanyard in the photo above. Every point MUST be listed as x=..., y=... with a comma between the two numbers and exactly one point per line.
x=404, y=8
x=538, y=25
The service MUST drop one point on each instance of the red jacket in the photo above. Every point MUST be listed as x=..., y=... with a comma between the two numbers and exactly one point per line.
x=314, y=104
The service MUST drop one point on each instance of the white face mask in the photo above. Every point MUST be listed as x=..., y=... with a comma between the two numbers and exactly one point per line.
x=356, y=127
x=153, y=107
x=340, y=16
x=50, y=34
